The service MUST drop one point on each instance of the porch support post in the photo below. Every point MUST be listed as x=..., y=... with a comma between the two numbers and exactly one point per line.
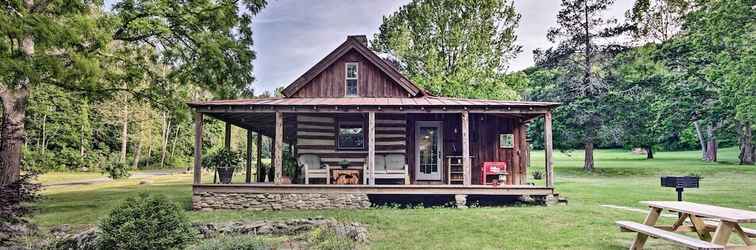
x=371, y=146
x=248, y=176
x=198, y=147
x=259, y=173
x=227, y=138
x=466, y=148
x=278, y=162
x=548, y=149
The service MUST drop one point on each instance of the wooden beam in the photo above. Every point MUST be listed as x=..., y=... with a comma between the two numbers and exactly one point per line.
x=548, y=149
x=248, y=173
x=260, y=173
x=466, y=148
x=227, y=138
x=331, y=109
x=198, y=121
x=371, y=146
x=525, y=153
x=375, y=189
x=278, y=162
x=514, y=177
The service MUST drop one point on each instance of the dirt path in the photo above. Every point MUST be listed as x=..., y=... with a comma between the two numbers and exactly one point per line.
x=135, y=175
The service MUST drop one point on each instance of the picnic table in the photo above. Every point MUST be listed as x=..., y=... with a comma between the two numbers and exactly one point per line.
x=704, y=219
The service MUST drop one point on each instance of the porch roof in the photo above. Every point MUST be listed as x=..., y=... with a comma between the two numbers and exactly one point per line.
x=424, y=101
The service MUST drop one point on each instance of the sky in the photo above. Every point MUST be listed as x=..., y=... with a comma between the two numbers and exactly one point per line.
x=290, y=36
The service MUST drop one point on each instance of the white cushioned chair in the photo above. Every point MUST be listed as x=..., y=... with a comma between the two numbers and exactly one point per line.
x=313, y=168
x=391, y=166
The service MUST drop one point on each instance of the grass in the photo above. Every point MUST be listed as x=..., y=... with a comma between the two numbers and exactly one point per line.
x=621, y=178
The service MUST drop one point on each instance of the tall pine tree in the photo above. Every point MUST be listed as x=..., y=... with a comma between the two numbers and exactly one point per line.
x=584, y=44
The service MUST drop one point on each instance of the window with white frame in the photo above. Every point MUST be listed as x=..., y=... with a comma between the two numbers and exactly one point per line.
x=351, y=79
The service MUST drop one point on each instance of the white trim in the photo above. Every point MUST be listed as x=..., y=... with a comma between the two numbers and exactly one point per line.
x=347, y=78
x=436, y=176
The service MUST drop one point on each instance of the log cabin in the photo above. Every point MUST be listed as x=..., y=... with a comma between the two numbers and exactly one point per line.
x=358, y=128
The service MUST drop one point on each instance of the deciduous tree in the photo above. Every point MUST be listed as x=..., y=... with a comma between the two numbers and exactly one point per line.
x=455, y=47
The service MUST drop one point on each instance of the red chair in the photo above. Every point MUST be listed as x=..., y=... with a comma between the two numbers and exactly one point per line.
x=493, y=173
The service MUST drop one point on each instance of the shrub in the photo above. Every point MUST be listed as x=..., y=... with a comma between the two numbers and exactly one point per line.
x=233, y=242
x=116, y=169
x=223, y=158
x=145, y=222
x=326, y=239
x=537, y=175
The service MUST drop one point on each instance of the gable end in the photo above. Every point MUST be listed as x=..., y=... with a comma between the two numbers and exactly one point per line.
x=376, y=77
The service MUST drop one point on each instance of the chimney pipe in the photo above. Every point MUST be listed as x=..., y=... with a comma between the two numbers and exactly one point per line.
x=362, y=39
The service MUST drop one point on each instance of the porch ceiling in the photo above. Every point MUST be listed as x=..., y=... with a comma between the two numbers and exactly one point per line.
x=263, y=123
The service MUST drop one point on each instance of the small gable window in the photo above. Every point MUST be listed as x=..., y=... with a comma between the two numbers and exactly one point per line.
x=351, y=79
x=351, y=135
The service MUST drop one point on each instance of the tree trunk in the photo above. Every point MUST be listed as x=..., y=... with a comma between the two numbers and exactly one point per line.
x=588, y=165
x=166, y=131
x=701, y=139
x=649, y=152
x=175, y=138
x=14, y=113
x=12, y=132
x=711, y=144
x=124, y=132
x=138, y=153
x=746, y=144
x=81, y=142
x=43, y=145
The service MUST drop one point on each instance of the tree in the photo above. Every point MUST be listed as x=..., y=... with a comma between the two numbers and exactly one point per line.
x=583, y=50
x=635, y=100
x=454, y=47
x=713, y=65
x=720, y=36
x=658, y=20
x=74, y=44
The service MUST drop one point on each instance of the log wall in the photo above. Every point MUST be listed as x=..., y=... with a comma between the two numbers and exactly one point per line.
x=316, y=134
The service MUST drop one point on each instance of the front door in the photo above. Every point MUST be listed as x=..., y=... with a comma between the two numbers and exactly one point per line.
x=428, y=150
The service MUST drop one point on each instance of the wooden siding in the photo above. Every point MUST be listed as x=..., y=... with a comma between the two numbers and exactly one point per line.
x=316, y=134
x=372, y=82
x=484, y=144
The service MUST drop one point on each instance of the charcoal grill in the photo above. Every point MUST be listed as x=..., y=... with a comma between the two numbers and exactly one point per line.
x=680, y=183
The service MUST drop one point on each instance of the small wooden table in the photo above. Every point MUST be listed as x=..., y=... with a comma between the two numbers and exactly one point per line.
x=729, y=221
x=345, y=176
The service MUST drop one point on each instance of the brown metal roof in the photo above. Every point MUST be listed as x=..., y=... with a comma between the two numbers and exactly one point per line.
x=373, y=101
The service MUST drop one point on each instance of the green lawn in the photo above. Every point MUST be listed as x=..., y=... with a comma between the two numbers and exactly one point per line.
x=621, y=178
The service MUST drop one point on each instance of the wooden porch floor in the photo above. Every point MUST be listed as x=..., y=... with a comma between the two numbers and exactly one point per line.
x=504, y=190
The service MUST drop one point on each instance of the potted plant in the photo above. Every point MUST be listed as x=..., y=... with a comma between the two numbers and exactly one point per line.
x=224, y=161
x=344, y=164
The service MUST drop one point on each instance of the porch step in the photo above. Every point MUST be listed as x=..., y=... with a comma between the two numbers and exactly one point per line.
x=560, y=199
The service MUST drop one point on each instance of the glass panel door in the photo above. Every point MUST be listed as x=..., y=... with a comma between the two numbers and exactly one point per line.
x=428, y=150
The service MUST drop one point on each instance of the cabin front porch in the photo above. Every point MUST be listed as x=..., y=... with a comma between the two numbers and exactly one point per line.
x=442, y=149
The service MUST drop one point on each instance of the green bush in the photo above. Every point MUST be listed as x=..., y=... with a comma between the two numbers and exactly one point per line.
x=326, y=239
x=223, y=158
x=116, y=169
x=145, y=222
x=242, y=242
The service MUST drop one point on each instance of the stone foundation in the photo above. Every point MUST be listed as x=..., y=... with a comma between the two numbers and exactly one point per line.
x=208, y=201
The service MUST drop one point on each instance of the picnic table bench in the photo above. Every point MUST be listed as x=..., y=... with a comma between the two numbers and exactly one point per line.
x=704, y=219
